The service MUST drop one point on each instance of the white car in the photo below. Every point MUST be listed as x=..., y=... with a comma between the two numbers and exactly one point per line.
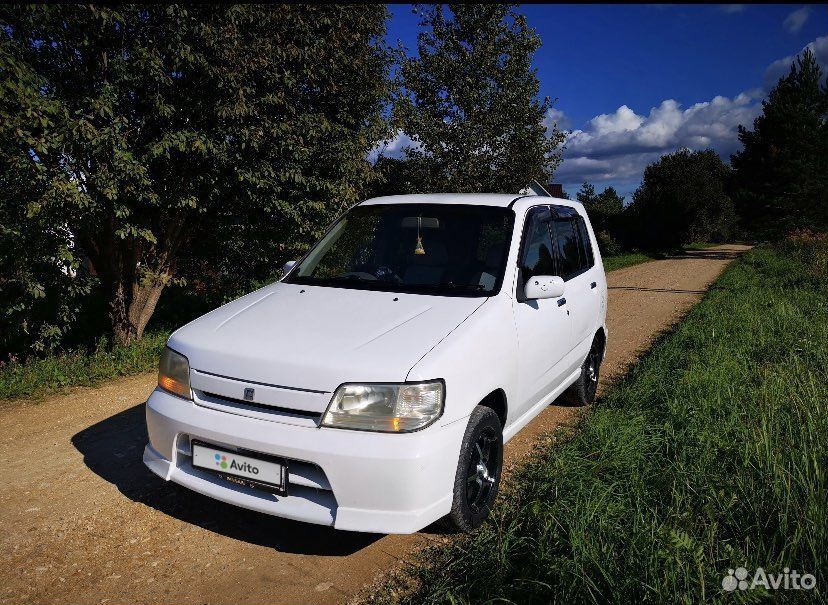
x=373, y=387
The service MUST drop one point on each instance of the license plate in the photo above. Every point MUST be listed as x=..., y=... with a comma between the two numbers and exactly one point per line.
x=258, y=470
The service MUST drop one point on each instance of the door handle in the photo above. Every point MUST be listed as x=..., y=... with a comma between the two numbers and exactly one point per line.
x=592, y=285
x=561, y=302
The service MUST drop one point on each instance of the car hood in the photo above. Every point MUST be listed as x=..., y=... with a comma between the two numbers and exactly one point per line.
x=316, y=338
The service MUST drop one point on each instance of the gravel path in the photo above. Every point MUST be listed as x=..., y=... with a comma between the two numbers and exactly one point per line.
x=84, y=521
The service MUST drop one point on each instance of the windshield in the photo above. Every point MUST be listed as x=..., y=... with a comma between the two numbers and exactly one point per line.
x=450, y=250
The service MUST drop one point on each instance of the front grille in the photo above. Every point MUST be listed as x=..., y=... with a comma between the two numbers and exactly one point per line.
x=252, y=406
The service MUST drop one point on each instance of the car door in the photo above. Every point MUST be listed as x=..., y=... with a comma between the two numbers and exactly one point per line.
x=576, y=266
x=543, y=326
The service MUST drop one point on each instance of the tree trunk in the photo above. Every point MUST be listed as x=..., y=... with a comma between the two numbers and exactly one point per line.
x=131, y=306
x=119, y=314
x=133, y=272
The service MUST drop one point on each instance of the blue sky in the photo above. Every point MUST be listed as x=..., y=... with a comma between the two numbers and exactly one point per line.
x=636, y=81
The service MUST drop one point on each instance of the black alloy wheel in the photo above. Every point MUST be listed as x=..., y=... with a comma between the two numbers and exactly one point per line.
x=477, y=477
x=482, y=470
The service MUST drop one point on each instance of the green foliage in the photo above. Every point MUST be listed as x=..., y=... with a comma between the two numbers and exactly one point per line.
x=40, y=292
x=604, y=210
x=42, y=286
x=38, y=378
x=469, y=100
x=682, y=199
x=608, y=244
x=231, y=132
x=586, y=194
x=781, y=174
x=608, y=204
x=709, y=455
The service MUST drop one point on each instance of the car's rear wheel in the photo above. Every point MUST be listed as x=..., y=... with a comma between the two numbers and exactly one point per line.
x=582, y=391
x=478, y=470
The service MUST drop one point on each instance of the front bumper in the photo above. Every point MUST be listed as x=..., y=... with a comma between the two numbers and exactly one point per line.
x=351, y=480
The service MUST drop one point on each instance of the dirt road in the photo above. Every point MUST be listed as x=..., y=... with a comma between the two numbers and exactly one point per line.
x=84, y=521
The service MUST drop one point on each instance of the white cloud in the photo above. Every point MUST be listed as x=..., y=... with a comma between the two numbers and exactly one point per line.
x=393, y=148
x=795, y=20
x=732, y=8
x=781, y=67
x=615, y=148
x=666, y=127
x=623, y=120
x=555, y=117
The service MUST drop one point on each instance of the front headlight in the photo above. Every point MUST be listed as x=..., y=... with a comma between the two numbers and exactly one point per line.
x=390, y=408
x=174, y=373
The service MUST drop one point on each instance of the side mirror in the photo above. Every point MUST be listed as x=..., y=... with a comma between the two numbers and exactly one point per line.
x=287, y=267
x=544, y=286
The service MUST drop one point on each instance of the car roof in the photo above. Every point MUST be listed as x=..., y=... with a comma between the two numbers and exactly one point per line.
x=477, y=199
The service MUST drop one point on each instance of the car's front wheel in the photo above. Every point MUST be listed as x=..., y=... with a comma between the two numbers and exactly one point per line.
x=478, y=470
x=582, y=391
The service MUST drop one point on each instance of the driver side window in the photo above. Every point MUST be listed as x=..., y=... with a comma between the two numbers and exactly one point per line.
x=536, y=257
x=568, y=248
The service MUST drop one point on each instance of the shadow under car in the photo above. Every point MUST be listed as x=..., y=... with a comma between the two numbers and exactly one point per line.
x=113, y=449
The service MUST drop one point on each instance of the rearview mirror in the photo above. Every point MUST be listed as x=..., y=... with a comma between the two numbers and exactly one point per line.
x=287, y=267
x=544, y=286
x=422, y=222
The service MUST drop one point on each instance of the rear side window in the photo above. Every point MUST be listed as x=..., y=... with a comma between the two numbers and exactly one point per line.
x=567, y=248
x=537, y=257
x=586, y=244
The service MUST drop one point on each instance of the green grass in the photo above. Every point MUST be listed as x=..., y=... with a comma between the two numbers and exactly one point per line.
x=41, y=377
x=700, y=246
x=628, y=259
x=619, y=261
x=710, y=454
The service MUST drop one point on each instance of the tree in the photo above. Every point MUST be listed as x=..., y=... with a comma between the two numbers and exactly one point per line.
x=586, y=194
x=150, y=130
x=609, y=202
x=602, y=207
x=469, y=100
x=40, y=291
x=606, y=208
x=682, y=199
x=781, y=174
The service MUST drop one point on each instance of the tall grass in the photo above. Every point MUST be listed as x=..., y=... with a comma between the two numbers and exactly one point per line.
x=40, y=377
x=711, y=454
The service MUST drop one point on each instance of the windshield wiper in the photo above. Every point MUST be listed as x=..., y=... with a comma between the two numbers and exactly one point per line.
x=344, y=277
x=452, y=286
x=347, y=277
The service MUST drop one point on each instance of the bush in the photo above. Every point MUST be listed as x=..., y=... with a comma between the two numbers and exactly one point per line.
x=43, y=286
x=40, y=377
x=810, y=248
x=607, y=245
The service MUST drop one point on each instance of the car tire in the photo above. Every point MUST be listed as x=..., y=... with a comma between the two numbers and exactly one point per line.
x=478, y=471
x=582, y=391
